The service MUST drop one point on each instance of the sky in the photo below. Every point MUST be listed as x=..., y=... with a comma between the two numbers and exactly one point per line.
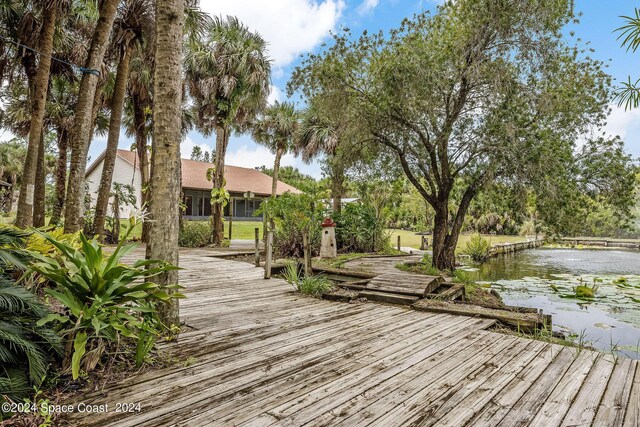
x=296, y=27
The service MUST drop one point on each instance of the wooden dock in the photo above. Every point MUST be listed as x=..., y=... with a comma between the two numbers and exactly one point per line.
x=264, y=356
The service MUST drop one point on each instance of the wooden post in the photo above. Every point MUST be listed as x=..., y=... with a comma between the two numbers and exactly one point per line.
x=307, y=254
x=422, y=243
x=398, y=243
x=230, y=217
x=269, y=253
x=257, y=230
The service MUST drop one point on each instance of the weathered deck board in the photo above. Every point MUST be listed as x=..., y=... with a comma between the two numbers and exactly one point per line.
x=262, y=355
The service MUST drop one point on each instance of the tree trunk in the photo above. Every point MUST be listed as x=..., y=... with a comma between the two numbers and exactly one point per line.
x=164, y=203
x=337, y=182
x=61, y=176
x=276, y=170
x=115, y=235
x=442, y=257
x=143, y=157
x=109, y=161
x=274, y=182
x=83, y=123
x=24, y=216
x=40, y=187
x=217, y=210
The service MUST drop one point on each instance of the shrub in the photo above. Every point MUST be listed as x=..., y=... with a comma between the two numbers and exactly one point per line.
x=358, y=230
x=103, y=299
x=477, y=248
x=25, y=347
x=195, y=234
x=294, y=215
x=309, y=285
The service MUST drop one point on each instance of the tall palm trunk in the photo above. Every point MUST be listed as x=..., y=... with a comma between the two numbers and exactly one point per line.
x=164, y=203
x=143, y=156
x=276, y=170
x=222, y=139
x=40, y=186
x=24, y=216
x=337, y=185
x=274, y=181
x=83, y=124
x=109, y=161
x=61, y=176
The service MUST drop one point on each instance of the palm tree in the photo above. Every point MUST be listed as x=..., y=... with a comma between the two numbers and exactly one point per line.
x=24, y=215
x=318, y=135
x=62, y=96
x=12, y=155
x=134, y=17
x=83, y=120
x=228, y=75
x=276, y=129
x=164, y=184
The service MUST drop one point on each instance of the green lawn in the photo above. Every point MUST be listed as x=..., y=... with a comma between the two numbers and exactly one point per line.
x=243, y=230
x=410, y=239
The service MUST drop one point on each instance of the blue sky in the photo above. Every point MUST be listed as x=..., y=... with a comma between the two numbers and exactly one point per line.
x=295, y=27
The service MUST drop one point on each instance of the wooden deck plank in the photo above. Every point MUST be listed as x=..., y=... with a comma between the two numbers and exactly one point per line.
x=500, y=404
x=253, y=402
x=420, y=406
x=558, y=402
x=528, y=406
x=470, y=399
x=261, y=354
x=632, y=415
x=614, y=402
x=584, y=406
x=388, y=394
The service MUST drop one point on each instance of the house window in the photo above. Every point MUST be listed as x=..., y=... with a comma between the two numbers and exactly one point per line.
x=206, y=209
x=188, y=201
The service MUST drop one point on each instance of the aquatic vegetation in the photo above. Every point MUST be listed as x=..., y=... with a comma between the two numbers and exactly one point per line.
x=586, y=292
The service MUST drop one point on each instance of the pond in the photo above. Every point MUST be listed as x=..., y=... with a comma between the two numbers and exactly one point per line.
x=548, y=279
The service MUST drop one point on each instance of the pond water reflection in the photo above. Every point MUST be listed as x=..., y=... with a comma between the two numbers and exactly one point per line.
x=548, y=278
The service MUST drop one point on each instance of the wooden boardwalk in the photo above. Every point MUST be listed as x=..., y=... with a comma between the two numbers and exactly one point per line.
x=264, y=356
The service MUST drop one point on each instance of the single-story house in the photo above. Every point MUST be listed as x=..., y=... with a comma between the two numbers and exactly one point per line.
x=196, y=189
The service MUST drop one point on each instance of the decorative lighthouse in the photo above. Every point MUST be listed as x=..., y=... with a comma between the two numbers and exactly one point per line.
x=328, y=247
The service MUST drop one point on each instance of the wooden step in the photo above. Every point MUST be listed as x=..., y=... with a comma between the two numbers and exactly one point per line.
x=391, y=298
x=405, y=284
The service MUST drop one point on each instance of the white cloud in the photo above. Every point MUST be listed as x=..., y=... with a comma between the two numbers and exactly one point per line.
x=291, y=27
x=187, y=146
x=274, y=95
x=367, y=6
x=252, y=157
x=625, y=124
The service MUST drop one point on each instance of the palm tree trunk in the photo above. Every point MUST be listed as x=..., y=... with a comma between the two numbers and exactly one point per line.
x=337, y=184
x=276, y=170
x=164, y=203
x=24, y=216
x=274, y=182
x=61, y=176
x=109, y=161
x=143, y=157
x=83, y=124
x=40, y=187
x=222, y=140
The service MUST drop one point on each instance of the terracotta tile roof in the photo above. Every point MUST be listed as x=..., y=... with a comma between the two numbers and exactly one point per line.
x=194, y=176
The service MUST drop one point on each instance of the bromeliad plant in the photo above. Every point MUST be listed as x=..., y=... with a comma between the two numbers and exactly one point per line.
x=104, y=299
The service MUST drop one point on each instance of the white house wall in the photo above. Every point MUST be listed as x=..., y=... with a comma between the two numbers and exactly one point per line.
x=123, y=173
